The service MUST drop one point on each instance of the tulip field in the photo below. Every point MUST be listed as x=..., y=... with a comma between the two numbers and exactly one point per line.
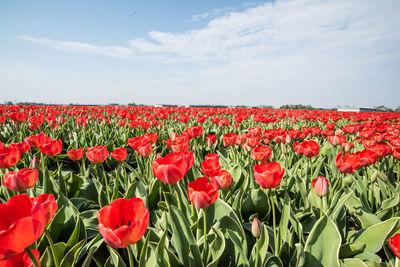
x=176, y=186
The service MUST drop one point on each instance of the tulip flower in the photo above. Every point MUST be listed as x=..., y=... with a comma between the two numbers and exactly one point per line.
x=51, y=147
x=75, y=154
x=22, y=222
x=320, y=185
x=261, y=153
x=349, y=163
x=21, y=260
x=394, y=244
x=123, y=222
x=268, y=175
x=21, y=180
x=210, y=167
x=229, y=139
x=97, y=154
x=119, y=154
x=173, y=167
x=202, y=192
x=223, y=179
x=9, y=156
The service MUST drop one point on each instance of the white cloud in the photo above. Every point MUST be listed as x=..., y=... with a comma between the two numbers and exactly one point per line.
x=310, y=29
x=79, y=47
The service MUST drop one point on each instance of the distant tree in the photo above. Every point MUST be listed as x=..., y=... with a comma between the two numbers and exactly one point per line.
x=383, y=109
x=298, y=106
x=131, y=104
x=397, y=109
x=8, y=103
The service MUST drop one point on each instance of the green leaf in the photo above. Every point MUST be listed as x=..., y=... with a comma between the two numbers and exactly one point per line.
x=182, y=237
x=375, y=236
x=69, y=259
x=115, y=259
x=350, y=249
x=217, y=247
x=354, y=263
x=262, y=244
x=318, y=253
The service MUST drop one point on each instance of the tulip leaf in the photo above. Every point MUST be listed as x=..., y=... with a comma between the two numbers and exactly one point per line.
x=317, y=252
x=182, y=237
x=375, y=235
x=351, y=249
x=217, y=247
x=115, y=259
x=69, y=259
x=354, y=263
x=360, y=214
x=261, y=246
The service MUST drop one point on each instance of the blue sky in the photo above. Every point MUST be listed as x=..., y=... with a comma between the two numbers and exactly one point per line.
x=323, y=53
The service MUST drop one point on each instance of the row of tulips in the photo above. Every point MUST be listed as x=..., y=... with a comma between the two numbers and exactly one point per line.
x=263, y=191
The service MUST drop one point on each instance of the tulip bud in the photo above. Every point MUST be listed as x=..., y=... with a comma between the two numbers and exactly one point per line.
x=374, y=176
x=320, y=185
x=256, y=228
x=288, y=139
x=283, y=148
x=35, y=163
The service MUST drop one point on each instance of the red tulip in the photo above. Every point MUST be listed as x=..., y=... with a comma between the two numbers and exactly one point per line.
x=97, y=154
x=211, y=139
x=336, y=139
x=394, y=244
x=268, y=175
x=396, y=153
x=310, y=148
x=49, y=205
x=212, y=156
x=173, y=167
x=22, y=222
x=261, y=153
x=51, y=147
x=119, y=154
x=229, y=139
x=381, y=150
x=151, y=137
x=367, y=157
x=145, y=151
x=202, y=193
x=35, y=141
x=349, y=163
x=9, y=156
x=123, y=222
x=21, y=180
x=320, y=185
x=223, y=179
x=75, y=154
x=21, y=260
x=23, y=147
x=210, y=167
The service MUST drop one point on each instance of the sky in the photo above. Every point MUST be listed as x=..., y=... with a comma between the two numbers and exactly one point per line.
x=323, y=53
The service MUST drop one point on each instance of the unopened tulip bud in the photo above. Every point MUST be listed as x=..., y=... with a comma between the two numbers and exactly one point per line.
x=288, y=139
x=35, y=163
x=374, y=176
x=256, y=228
x=283, y=148
x=320, y=185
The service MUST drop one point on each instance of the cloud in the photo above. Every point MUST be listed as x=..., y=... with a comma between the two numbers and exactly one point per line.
x=80, y=47
x=309, y=29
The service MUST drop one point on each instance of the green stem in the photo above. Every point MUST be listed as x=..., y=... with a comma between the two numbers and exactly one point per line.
x=273, y=223
x=321, y=213
x=205, y=236
x=130, y=255
x=396, y=264
x=177, y=196
x=32, y=257
x=53, y=252
x=257, y=256
x=106, y=181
